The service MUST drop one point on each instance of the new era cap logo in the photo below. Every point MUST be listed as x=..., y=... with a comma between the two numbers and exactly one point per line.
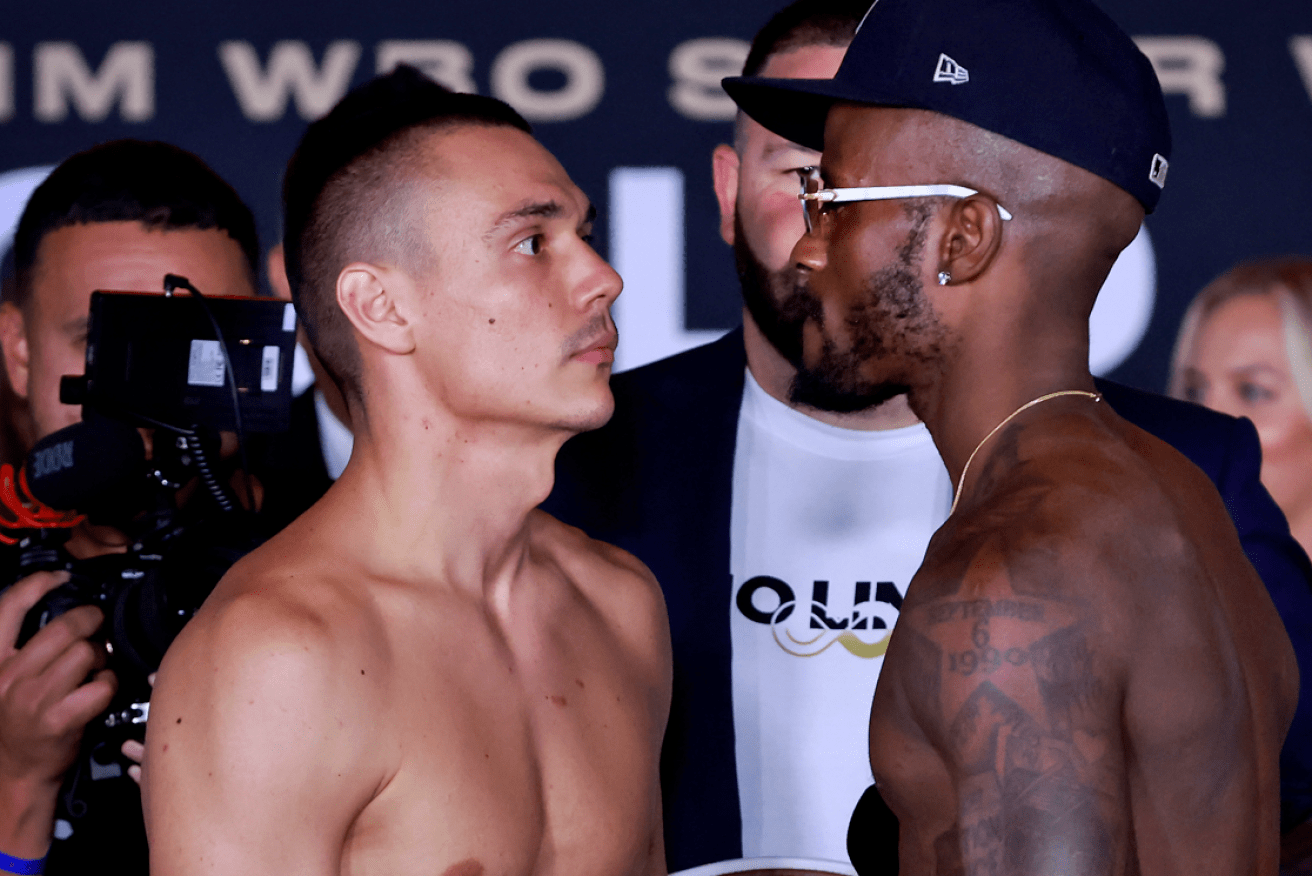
x=1157, y=175
x=949, y=70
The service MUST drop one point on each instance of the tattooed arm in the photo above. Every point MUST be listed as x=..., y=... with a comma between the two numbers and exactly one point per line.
x=1011, y=691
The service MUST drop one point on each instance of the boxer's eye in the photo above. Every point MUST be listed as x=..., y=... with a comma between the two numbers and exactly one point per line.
x=530, y=246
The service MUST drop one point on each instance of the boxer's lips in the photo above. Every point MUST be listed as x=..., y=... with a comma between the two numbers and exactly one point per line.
x=599, y=352
x=597, y=356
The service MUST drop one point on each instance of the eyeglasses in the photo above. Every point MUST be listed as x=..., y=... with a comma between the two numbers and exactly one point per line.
x=814, y=197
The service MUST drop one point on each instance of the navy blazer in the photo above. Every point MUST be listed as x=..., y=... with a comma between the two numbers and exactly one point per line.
x=657, y=480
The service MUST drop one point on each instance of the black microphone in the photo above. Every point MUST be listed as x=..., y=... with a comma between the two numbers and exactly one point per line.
x=88, y=466
x=872, y=836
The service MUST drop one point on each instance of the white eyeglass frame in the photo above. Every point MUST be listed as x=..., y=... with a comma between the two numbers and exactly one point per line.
x=888, y=193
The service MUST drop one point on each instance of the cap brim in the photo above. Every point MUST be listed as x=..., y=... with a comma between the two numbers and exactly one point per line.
x=795, y=109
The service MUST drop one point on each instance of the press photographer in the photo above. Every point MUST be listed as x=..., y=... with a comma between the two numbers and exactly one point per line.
x=119, y=216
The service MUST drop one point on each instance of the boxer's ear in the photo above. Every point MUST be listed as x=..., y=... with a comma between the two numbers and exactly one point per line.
x=371, y=297
x=970, y=240
x=724, y=175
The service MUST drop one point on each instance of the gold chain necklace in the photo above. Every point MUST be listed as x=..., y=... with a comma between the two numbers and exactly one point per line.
x=961, y=481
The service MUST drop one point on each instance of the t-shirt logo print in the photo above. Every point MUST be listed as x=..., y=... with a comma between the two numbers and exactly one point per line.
x=815, y=634
x=949, y=70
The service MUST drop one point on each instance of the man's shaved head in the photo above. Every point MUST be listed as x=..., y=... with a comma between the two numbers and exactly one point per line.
x=1059, y=208
x=355, y=191
x=805, y=23
x=798, y=25
x=1032, y=278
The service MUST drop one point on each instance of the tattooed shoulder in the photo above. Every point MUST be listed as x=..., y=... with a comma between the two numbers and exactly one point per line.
x=1010, y=686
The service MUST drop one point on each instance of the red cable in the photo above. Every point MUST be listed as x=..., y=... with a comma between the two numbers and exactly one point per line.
x=27, y=510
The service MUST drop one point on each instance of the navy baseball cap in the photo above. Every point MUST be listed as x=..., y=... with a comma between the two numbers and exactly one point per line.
x=1056, y=75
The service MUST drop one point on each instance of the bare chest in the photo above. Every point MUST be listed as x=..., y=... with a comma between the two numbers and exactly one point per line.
x=533, y=752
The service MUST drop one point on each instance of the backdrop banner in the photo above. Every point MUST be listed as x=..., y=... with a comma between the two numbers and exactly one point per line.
x=628, y=97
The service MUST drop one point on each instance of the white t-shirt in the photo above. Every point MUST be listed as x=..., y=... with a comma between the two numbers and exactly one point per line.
x=828, y=527
x=335, y=437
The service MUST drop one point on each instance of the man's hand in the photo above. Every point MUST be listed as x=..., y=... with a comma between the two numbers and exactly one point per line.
x=46, y=701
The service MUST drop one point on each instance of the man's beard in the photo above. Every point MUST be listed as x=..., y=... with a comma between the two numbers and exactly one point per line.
x=892, y=322
x=777, y=304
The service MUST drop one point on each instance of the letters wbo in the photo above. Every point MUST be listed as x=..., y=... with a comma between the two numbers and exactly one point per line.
x=268, y=83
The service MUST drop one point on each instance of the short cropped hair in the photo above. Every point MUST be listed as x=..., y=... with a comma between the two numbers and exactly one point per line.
x=805, y=23
x=348, y=192
x=157, y=184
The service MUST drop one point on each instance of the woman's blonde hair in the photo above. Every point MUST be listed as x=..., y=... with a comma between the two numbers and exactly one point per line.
x=1289, y=279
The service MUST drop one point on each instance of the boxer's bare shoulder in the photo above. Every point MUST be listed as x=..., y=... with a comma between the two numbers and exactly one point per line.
x=1079, y=633
x=407, y=711
x=617, y=583
x=264, y=683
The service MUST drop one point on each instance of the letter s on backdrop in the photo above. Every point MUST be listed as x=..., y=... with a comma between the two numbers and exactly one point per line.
x=696, y=68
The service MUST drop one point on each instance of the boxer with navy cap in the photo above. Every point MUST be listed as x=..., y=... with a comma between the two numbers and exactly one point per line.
x=1058, y=77
x=1087, y=675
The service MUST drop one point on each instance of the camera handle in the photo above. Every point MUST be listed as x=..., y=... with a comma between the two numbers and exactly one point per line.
x=73, y=802
x=135, y=713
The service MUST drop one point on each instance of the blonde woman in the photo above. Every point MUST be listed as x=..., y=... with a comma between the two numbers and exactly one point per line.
x=1245, y=348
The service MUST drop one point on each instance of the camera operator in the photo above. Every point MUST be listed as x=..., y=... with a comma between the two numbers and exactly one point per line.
x=115, y=217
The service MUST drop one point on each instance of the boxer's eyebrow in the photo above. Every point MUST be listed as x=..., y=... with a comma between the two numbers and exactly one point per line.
x=535, y=210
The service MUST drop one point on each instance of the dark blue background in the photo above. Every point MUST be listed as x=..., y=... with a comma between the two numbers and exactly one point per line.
x=1238, y=188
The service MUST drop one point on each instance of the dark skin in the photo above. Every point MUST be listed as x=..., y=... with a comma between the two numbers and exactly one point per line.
x=1087, y=677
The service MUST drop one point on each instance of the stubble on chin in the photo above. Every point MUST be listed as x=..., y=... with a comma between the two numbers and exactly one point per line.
x=588, y=420
x=892, y=324
x=776, y=301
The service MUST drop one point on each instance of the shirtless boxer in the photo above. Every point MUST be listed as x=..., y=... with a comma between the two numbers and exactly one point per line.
x=1087, y=676
x=423, y=673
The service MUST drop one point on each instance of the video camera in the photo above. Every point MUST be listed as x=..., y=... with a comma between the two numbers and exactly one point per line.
x=189, y=367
